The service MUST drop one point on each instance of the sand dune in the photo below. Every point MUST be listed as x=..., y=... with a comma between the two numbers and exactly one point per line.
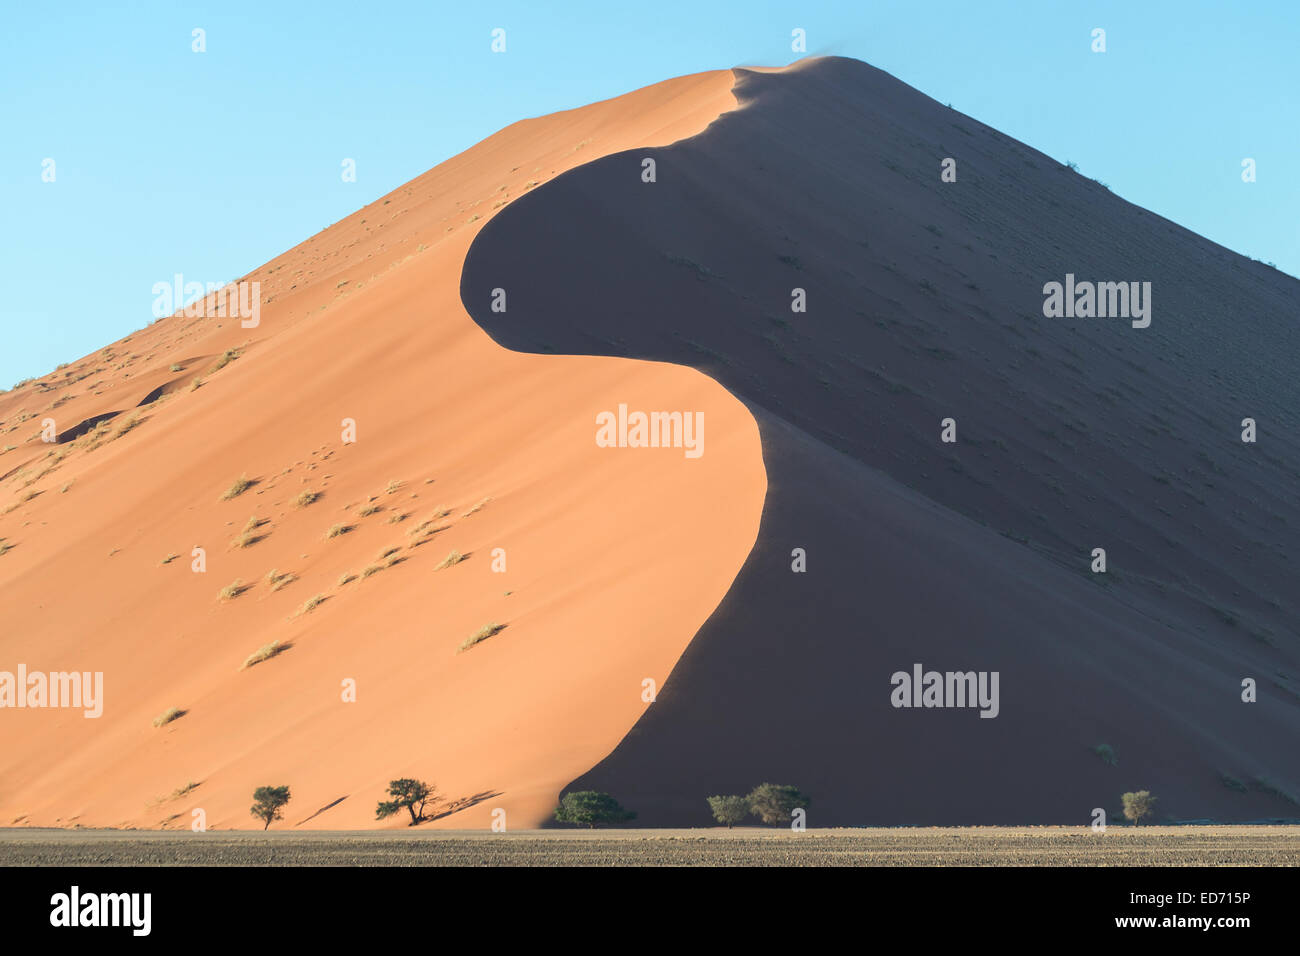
x=925, y=302
x=613, y=561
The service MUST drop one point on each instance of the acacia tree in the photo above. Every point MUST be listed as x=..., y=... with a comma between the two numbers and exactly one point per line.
x=773, y=802
x=591, y=807
x=729, y=810
x=268, y=804
x=408, y=793
x=1138, y=805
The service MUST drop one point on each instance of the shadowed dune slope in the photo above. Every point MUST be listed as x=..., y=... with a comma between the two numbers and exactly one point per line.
x=460, y=446
x=924, y=302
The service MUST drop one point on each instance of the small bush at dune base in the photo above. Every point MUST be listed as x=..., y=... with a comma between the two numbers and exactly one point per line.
x=729, y=810
x=268, y=804
x=774, y=803
x=408, y=794
x=1138, y=805
x=590, y=807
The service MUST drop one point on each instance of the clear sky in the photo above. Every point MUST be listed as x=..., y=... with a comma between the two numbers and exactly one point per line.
x=209, y=164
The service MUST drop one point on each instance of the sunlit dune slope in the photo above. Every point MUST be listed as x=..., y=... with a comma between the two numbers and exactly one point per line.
x=613, y=557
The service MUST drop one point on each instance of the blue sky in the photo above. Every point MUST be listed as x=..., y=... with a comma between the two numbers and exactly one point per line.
x=210, y=164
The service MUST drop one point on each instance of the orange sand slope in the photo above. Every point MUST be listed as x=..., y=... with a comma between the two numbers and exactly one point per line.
x=614, y=559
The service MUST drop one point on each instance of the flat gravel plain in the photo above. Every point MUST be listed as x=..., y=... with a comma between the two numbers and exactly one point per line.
x=938, y=846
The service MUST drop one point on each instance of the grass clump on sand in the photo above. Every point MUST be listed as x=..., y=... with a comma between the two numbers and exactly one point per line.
x=93, y=438
x=478, y=507
x=242, y=484
x=482, y=634
x=130, y=424
x=308, y=497
x=249, y=535
x=263, y=653
x=181, y=791
x=278, y=580
x=337, y=530
x=233, y=590
x=169, y=559
x=454, y=558
x=312, y=604
x=167, y=716
x=226, y=357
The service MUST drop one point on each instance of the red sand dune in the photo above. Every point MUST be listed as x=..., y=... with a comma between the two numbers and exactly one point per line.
x=924, y=302
x=614, y=560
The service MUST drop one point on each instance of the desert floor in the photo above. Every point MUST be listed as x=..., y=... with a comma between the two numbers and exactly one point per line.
x=938, y=846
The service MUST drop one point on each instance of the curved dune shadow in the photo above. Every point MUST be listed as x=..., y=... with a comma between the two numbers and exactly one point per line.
x=924, y=302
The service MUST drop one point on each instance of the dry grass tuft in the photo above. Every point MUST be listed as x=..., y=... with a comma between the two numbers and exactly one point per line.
x=130, y=424
x=263, y=653
x=454, y=558
x=242, y=484
x=249, y=535
x=167, y=716
x=482, y=634
x=233, y=590
x=277, y=580
x=226, y=357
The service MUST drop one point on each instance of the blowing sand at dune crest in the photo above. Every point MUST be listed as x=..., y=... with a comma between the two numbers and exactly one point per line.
x=328, y=562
